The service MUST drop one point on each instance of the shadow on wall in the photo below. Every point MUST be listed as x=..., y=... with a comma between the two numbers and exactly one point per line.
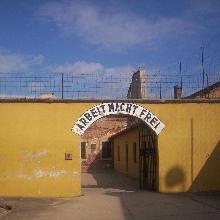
x=209, y=176
x=175, y=178
x=208, y=179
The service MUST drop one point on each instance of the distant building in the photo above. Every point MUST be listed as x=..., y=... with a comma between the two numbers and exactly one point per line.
x=177, y=92
x=137, y=89
x=210, y=92
x=47, y=95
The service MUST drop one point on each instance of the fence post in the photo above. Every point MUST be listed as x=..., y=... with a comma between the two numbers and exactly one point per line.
x=62, y=86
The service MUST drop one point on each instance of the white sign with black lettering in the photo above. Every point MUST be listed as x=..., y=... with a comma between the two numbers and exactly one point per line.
x=113, y=108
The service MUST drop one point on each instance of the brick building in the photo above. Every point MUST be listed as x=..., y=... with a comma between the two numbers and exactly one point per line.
x=210, y=92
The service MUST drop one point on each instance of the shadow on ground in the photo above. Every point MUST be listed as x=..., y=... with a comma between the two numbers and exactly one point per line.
x=109, y=180
x=114, y=196
x=133, y=203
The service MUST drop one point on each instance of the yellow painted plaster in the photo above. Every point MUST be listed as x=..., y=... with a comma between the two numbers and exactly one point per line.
x=35, y=136
x=120, y=143
x=188, y=147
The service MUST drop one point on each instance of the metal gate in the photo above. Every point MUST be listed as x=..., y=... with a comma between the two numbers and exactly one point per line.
x=147, y=158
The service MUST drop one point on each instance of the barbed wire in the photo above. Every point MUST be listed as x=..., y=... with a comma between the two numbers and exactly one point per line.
x=96, y=85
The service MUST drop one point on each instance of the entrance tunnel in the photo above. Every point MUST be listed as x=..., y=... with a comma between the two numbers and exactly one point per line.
x=122, y=144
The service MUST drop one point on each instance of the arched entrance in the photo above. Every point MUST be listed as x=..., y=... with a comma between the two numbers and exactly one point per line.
x=144, y=143
x=114, y=108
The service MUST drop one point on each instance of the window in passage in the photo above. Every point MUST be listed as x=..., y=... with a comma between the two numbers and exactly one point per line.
x=83, y=150
x=93, y=148
x=106, y=149
x=135, y=152
x=118, y=152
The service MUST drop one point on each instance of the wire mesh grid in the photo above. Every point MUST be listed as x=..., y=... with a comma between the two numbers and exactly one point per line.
x=96, y=86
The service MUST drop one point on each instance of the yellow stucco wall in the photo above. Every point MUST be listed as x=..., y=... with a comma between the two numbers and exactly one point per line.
x=33, y=140
x=35, y=136
x=120, y=143
x=188, y=147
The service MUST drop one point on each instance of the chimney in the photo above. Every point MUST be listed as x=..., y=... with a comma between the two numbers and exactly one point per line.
x=177, y=92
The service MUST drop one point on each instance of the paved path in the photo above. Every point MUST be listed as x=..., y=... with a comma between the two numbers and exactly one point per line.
x=113, y=196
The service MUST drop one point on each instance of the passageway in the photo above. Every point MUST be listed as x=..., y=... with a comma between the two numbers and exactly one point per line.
x=108, y=180
x=121, y=143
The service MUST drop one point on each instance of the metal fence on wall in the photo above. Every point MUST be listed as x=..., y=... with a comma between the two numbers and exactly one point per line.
x=96, y=86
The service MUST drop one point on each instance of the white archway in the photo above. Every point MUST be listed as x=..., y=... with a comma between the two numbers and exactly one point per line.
x=113, y=108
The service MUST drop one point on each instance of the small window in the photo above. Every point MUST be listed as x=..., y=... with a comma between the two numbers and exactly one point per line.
x=135, y=152
x=93, y=148
x=83, y=150
x=126, y=153
x=118, y=153
x=106, y=149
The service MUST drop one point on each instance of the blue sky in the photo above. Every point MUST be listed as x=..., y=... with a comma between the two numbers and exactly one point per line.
x=115, y=36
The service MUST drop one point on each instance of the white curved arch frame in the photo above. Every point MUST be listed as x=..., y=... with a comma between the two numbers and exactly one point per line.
x=113, y=108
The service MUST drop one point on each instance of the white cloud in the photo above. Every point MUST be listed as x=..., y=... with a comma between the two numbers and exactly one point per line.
x=83, y=67
x=115, y=30
x=108, y=81
x=120, y=71
x=14, y=62
x=78, y=67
